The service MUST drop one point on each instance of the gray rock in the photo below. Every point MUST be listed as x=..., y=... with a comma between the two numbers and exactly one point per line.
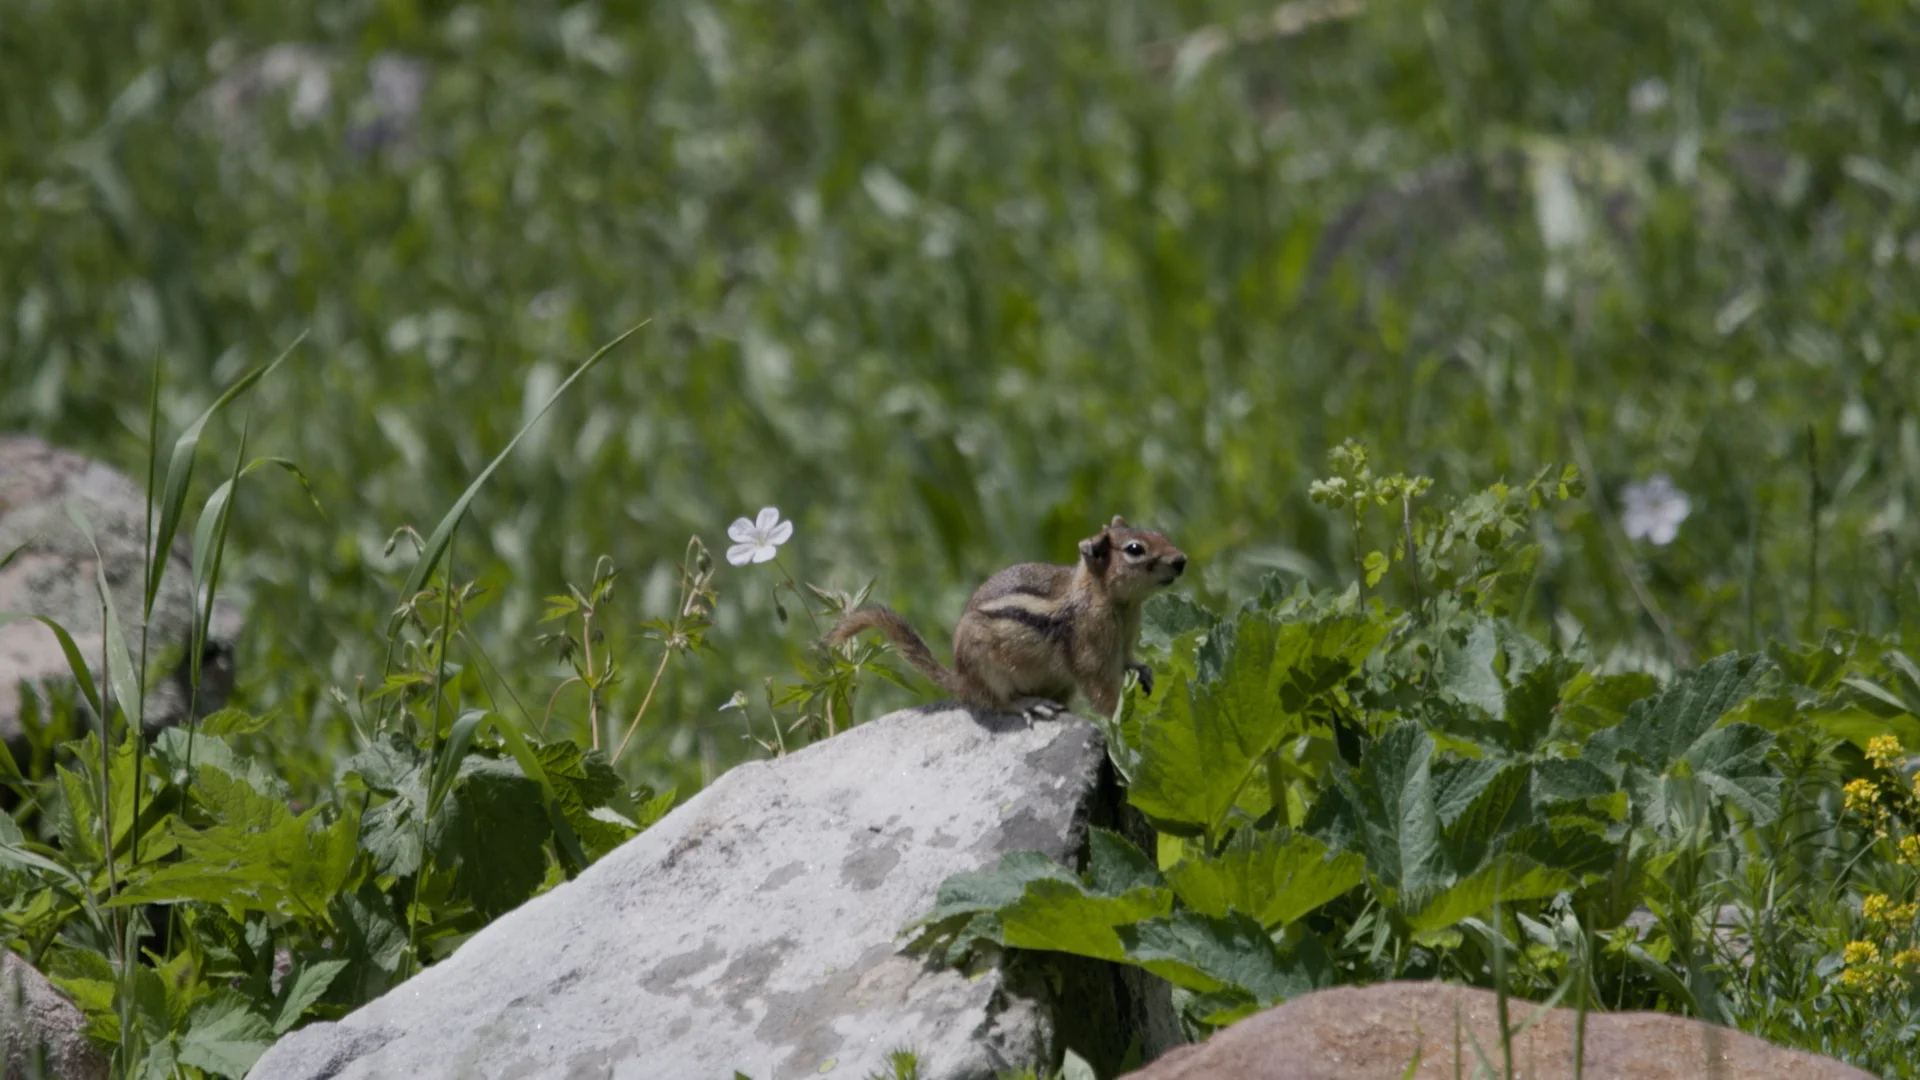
x=1430, y=1030
x=757, y=928
x=41, y=1032
x=52, y=573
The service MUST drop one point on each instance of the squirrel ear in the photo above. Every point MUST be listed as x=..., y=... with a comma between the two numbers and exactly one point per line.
x=1118, y=522
x=1094, y=548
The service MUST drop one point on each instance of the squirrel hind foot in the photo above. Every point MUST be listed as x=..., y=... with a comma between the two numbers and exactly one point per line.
x=1039, y=708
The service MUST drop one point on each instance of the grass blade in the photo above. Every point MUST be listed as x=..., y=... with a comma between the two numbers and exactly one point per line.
x=436, y=544
x=122, y=677
x=82, y=674
x=180, y=470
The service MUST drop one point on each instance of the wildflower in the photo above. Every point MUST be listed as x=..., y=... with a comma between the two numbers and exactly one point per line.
x=1862, y=796
x=1654, y=509
x=1860, y=952
x=1883, y=750
x=1910, y=850
x=1864, y=979
x=1875, y=906
x=755, y=541
x=1907, y=958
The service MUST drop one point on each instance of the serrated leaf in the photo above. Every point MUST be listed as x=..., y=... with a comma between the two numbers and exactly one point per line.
x=1170, y=615
x=1275, y=879
x=1466, y=672
x=304, y=985
x=1206, y=954
x=977, y=891
x=224, y=1036
x=1061, y=916
x=1257, y=680
x=1568, y=779
x=1393, y=798
x=1116, y=867
x=1508, y=878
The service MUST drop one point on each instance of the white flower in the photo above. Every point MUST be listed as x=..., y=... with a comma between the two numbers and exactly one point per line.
x=1654, y=510
x=755, y=541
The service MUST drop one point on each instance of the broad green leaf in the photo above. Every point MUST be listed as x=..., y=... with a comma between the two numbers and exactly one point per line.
x=1393, y=799
x=1591, y=702
x=986, y=891
x=493, y=832
x=224, y=1036
x=1568, y=779
x=1060, y=916
x=1170, y=615
x=1276, y=879
x=1466, y=670
x=1509, y=877
x=304, y=985
x=1498, y=807
x=1206, y=954
x=1659, y=730
x=173, y=748
x=1259, y=679
x=1732, y=761
x=1116, y=867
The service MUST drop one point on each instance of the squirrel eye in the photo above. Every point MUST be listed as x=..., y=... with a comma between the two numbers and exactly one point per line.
x=1135, y=547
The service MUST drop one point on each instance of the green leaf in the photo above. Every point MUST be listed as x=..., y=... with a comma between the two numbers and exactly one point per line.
x=492, y=831
x=303, y=986
x=1466, y=672
x=1507, y=878
x=1206, y=954
x=1060, y=916
x=1276, y=878
x=986, y=891
x=173, y=748
x=1732, y=762
x=1569, y=779
x=224, y=1036
x=1393, y=796
x=436, y=545
x=1659, y=730
x=180, y=470
x=1167, y=616
x=1260, y=681
x=82, y=674
x=1115, y=867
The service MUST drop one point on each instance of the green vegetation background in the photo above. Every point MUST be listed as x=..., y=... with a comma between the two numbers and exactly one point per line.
x=949, y=284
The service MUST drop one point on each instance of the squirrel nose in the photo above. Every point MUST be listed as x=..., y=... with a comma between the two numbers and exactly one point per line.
x=1179, y=564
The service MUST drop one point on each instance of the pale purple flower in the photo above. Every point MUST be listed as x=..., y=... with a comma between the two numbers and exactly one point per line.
x=1654, y=509
x=755, y=541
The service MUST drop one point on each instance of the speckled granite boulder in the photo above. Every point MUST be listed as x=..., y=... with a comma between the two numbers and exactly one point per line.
x=40, y=1030
x=52, y=574
x=755, y=928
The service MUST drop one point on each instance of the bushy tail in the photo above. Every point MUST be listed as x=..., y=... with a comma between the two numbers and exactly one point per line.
x=908, y=643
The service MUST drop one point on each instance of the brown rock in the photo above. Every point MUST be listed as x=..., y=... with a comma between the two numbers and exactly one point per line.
x=41, y=1032
x=1371, y=1032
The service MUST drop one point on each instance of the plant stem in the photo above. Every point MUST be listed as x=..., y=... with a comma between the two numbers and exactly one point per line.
x=795, y=586
x=1812, y=618
x=660, y=669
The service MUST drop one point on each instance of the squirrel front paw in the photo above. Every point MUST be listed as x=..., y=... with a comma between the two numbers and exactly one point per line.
x=1146, y=677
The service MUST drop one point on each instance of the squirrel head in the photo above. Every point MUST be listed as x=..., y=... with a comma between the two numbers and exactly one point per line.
x=1131, y=563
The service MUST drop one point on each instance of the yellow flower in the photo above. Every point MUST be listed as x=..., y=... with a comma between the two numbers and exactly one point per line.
x=1861, y=795
x=1907, y=958
x=1861, y=979
x=1910, y=849
x=1861, y=952
x=1883, y=750
x=1877, y=907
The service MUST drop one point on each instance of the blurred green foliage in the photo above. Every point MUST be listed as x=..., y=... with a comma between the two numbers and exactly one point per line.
x=951, y=283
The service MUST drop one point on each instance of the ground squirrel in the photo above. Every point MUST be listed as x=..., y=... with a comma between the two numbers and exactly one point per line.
x=1035, y=632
